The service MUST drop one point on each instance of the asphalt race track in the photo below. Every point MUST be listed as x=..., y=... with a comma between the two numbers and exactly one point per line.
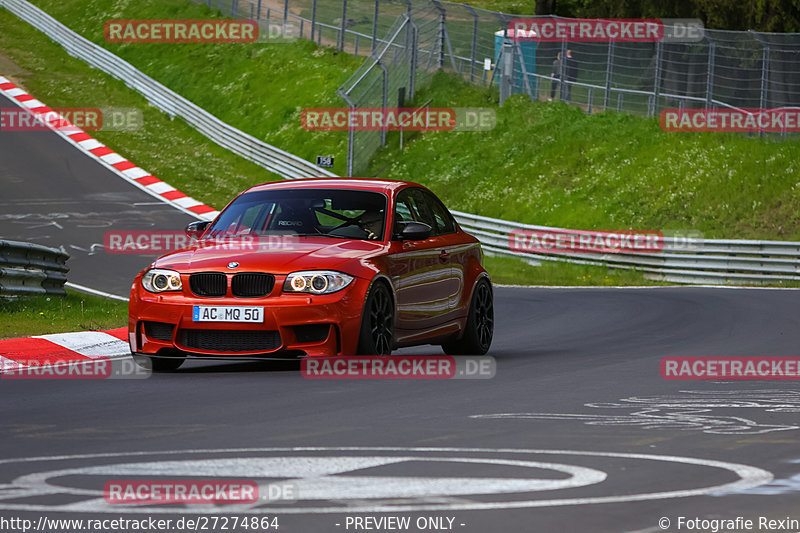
x=54, y=195
x=576, y=431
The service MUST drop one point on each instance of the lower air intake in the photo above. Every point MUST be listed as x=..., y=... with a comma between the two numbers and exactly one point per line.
x=230, y=340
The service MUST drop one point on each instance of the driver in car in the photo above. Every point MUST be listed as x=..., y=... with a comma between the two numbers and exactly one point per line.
x=371, y=221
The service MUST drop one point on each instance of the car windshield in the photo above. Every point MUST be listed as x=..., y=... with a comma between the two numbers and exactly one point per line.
x=338, y=213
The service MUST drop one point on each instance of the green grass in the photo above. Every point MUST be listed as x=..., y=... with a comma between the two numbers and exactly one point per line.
x=544, y=163
x=170, y=149
x=40, y=315
x=261, y=88
x=551, y=164
x=511, y=271
x=202, y=169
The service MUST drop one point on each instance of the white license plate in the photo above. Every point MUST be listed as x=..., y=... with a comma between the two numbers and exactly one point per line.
x=227, y=313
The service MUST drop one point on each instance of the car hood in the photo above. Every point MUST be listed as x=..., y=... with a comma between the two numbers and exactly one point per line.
x=273, y=255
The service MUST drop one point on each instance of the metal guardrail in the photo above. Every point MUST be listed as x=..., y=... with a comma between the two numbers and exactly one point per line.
x=27, y=268
x=716, y=261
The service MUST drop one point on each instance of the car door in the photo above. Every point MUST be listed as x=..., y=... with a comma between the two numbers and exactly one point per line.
x=452, y=251
x=419, y=270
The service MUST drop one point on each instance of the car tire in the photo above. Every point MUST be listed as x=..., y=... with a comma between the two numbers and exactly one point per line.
x=479, y=329
x=377, y=322
x=159, y=364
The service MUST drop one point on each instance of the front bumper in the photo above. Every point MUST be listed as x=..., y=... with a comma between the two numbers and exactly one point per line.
x=315, y=325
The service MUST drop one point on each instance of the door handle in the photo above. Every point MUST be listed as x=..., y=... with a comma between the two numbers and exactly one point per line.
x=444, y=256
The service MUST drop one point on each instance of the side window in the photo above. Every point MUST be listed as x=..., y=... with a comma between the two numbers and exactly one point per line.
x=247, y=221
x=249, y=217
x=324, y=219
x=434, y=213
x=444, y=220
x=405, y=209
x=422, y=206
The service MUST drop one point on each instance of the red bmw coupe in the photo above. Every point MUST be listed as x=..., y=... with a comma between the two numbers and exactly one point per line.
x=315, y=267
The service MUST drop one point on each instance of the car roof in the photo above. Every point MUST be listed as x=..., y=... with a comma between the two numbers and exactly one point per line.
x=367, y=184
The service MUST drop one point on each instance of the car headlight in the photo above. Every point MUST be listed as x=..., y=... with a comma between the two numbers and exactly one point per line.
x=316, y=281
x=161, y=280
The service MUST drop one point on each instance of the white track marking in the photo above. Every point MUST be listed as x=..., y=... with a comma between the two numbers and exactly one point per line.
x=160, y=187
x=90, y=144
x=186, y=202
x=135, y=173
x=32, y=104
x=319, y=477
x=691, y=410
x=748, y=477
x=92, y=344
x=113, y=158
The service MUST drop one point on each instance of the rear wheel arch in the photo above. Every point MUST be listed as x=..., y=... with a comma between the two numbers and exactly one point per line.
x=478, y=323
x=483, y=275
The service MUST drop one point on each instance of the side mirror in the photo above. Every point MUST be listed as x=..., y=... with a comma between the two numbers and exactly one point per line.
x=413, y=231
x=195, y=230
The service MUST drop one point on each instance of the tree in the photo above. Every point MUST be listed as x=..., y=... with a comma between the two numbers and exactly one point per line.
x=759, y=15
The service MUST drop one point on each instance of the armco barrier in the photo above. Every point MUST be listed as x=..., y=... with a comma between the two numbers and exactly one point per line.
x=27, y=268
x=714, y=261
x=707, y=261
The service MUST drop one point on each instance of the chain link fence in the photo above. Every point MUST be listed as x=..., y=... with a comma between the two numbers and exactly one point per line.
x=406, y=41
x=735, y=70
x=401, y=64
